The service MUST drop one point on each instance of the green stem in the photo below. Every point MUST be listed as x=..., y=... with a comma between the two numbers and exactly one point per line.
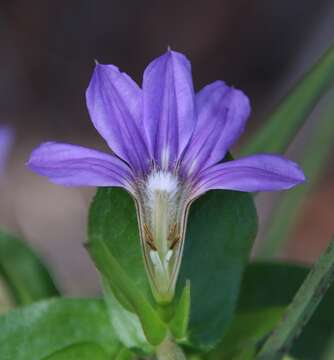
x=169, y=350
x=301, y=308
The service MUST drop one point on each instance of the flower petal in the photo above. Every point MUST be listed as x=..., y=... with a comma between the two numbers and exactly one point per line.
x=222, y=113
x=73, y=165
x=169, y=117
x=6, y=139
x=115, y=105
x=251, y=174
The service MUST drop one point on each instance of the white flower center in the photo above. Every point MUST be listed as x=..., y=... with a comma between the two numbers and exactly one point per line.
x=162, y=181
x=162, y=194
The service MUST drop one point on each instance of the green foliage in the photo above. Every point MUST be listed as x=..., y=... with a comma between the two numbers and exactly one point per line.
x=112, y=231
x=274, y=285
x=128, y=327
x=47, y=328
x=153, y=327
x=290, y=115
x=113, y=220
x=221, y=229
x=328, y=353
x=125, y=354
x=245, y=332
x=302, y=307
x=83, y=351
x=179, y=323
x=23, y=272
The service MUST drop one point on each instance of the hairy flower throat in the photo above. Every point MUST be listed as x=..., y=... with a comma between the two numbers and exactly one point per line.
x=161, y=218
x=162, y=201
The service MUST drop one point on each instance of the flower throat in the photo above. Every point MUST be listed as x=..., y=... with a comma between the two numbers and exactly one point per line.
x=161, y=220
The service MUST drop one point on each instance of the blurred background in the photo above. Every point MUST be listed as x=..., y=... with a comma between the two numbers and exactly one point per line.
x=47, y=57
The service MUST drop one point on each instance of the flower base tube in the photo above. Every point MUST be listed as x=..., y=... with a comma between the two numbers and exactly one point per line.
x=162, y=217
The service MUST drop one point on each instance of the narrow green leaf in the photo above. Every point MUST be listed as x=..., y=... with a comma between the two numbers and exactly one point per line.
x=23, y=272
x=313, y=162
x=42, y=329
x=302, y=307
x=289, y=116
x=179, y=324
x=84, y=351
x=221, y=229
x=154, y=329
x=275, y=284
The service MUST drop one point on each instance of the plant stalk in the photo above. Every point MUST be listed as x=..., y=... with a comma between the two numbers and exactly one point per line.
x=301, y=308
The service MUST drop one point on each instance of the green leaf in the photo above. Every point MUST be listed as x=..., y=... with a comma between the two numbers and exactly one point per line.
x=42, y=329
x=125, y=354
x=127, y=324
x=315, y=157
x=247, y=353
x=154, y=329
x=290, y=115
x=302, y=306
x=179, y=323
x=113, y=220
x=246, y=331
x=221, y=229
x=275, y=284
x=115, y=247
x=25, y=275
x=85, y=351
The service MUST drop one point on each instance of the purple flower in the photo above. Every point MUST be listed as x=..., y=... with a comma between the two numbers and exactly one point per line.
x=167, y=144
x=6, y=139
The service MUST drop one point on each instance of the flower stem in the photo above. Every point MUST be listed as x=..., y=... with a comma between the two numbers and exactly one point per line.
x=168, y=350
